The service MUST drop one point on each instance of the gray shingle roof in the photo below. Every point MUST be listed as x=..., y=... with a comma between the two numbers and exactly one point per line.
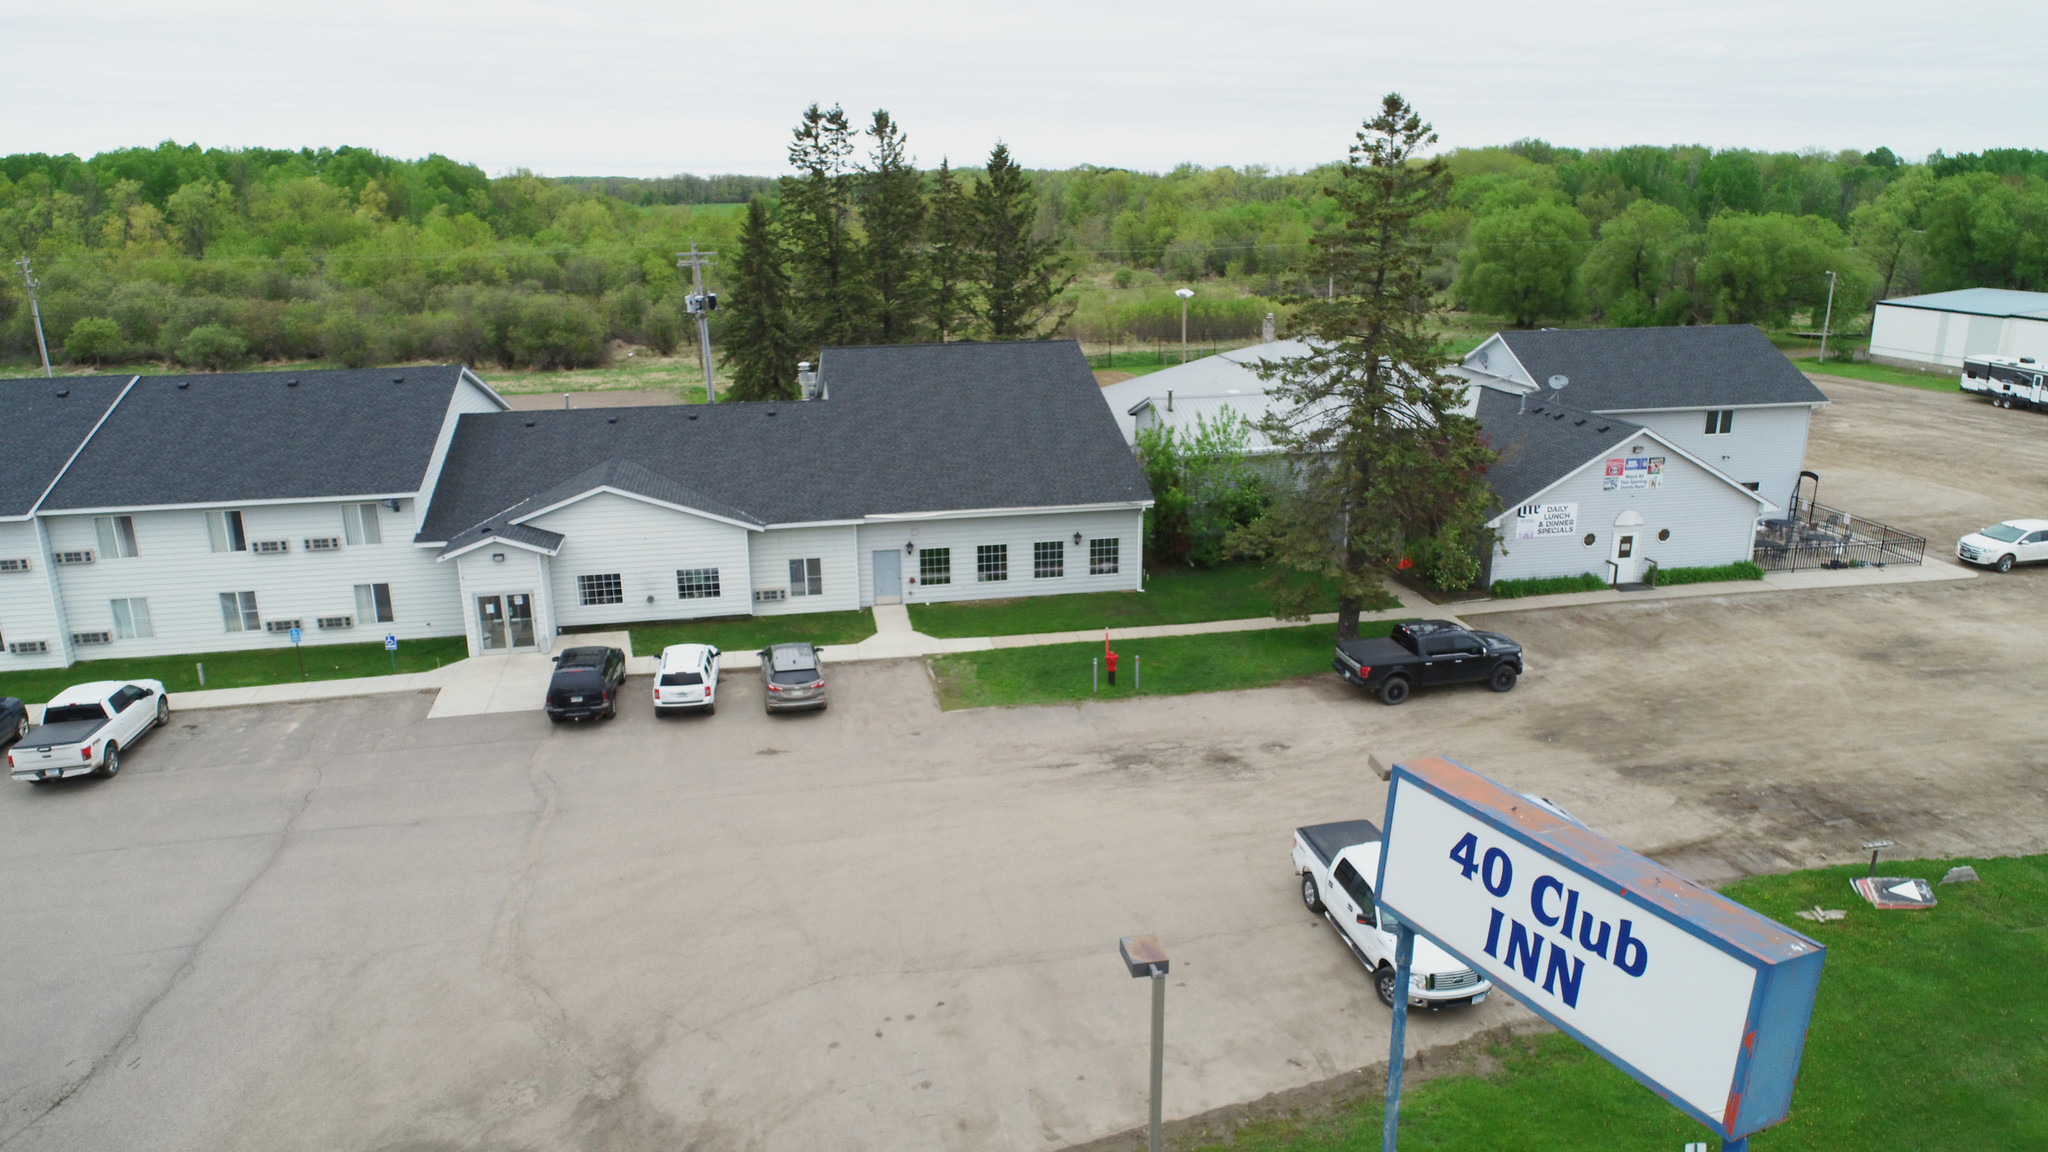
x=498, y=529
x=40, y=429
x=206, y=439
x=1542, y=445
x=1641, y=369
x=905, y=428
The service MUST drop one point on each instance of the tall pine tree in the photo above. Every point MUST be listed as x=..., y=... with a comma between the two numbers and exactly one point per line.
x=827, y=292
x=892, y=214
x=759, y=344
x=1019, y=276
x=949, y=256
x=1390, y=473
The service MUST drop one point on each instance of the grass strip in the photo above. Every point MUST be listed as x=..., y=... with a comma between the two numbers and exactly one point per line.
x=1740, y=570
x=1171, y=596
x=1546, y=586
x=1929, y=1032
x=1885, y=374
x=751, y=633
x=247, y=668
x=1166, y=666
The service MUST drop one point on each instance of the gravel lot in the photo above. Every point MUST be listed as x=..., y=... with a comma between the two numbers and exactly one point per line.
x=342, y=926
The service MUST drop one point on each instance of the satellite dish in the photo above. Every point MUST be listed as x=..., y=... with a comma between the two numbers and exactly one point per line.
x=1557, y=383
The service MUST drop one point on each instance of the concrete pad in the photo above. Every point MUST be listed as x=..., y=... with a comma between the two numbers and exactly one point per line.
x=514, y=681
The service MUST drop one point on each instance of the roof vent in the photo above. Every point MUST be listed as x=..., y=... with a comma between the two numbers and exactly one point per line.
x=611, y=419
x=529, y=423
x=63, y=392
x=184, y=384
x=771, y=411
x=693, y=415
x=292, y=383
x=1578, y=423
x=1602, y=428
x=398, y=379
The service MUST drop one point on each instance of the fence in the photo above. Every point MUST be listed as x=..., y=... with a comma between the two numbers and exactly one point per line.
x=1816, y=536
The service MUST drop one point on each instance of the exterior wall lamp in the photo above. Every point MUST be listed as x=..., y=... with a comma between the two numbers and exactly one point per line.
x=910, y=548
x=1077, y=539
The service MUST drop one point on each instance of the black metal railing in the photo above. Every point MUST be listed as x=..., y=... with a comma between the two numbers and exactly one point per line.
x=1814, y=535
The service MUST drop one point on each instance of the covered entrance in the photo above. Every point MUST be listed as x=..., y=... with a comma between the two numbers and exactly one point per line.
x=505, y=621
x=888, y=577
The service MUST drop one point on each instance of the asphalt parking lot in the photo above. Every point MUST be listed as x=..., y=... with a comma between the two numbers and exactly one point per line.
x=342, y=925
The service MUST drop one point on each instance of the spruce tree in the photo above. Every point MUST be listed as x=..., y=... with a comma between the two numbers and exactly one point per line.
x=949, y=256
x=759, y=344
x=892, y=214
x=1390, y=474
x=1019, y=277
x=827, y=296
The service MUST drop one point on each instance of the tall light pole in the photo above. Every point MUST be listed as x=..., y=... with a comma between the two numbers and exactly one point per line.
x=1145, y=959
x=701, y=306
x=28, y=277
x=1827, y=320
x=1185, y=294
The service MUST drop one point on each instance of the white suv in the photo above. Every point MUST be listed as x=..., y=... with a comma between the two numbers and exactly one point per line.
x=2003, y=545
x=687, y=680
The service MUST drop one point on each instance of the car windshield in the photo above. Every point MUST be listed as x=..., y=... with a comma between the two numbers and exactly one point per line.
x=678, y=679
x=72, y=713
x=2003, y=533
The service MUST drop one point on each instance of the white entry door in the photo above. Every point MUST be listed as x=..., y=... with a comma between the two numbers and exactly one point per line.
x=1628, y=547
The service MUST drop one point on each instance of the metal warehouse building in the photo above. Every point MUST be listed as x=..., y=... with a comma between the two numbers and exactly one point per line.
x=1939, y=330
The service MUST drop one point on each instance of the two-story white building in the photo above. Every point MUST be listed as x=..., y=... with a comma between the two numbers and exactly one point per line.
x=169, y=514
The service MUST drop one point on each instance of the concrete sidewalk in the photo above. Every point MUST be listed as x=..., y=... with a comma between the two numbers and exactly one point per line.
x=1809, y=579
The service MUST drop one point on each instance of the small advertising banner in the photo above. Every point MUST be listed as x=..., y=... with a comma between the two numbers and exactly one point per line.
x=1633, y=474
x=1894, y=892
x=1700, y=999
x=1535, y=521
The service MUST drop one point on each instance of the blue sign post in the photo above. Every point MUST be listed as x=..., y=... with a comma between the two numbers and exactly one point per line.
x=1703, y=1001
x=391, y=650
x=299, y=652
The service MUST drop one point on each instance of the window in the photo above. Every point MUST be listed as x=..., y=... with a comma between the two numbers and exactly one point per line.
x=122, y=699
x=92, y=637
x=131, y=619
x=335, y=621
x=238, y=611
x=224, y=529
x=1663, y=534
x=373, y=602
x=359, y=524
x=991, y=563
x=1754, y=485
x=323, y=543
x=697, y=584
x=84, y=557
x=935, y=566
x=1720, y=422
x=1048, y=559
x=1589, y=539
x=1355, y=887
x=13, y=565
x=117, y=536
x=29, y=647
x=807, y=577
x=601, y=589
x=1102, y=557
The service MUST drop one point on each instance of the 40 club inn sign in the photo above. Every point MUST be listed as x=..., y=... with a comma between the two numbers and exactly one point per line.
x=1697, y=997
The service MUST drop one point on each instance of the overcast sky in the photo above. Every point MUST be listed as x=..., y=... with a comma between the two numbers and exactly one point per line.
x=635, y=88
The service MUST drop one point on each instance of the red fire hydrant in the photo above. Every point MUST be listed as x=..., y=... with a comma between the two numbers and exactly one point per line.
x=1110, y=659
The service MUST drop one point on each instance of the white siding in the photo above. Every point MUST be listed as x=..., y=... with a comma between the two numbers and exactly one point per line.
x=1019, y=532
x=2025, y=337
x=182, y=577
x=1710, y=523
x=520, y=573
x=645, y=544
x=28, y=602
x=1931, y=336
x=1764, y=446
x=835, y=546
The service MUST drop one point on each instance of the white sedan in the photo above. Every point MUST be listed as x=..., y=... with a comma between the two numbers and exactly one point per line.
x=2005, y=544
x=687, y=680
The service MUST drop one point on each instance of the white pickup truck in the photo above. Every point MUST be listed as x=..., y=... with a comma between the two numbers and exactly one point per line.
x=1333, y=862
x=86, y=727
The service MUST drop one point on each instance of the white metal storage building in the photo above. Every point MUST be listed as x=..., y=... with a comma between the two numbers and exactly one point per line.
x=1940, y=329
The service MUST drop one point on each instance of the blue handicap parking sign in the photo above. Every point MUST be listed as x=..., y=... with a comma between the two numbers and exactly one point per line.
x=391, y=643
x=295, y=635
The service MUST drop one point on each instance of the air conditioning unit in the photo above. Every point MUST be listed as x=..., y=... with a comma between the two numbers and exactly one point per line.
x=29, y=647
x=13, y=565
x=81, y=557
x=280, y=625
x=92, y=637
x=270, y=547
x=336, y=621
x=762, y=595
x=323, y=544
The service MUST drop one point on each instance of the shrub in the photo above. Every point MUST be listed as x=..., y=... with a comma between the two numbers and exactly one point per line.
x=1546, y=586
x=94, y=340
x=664, y=329
x=1740, y=570
x=1123, y=277
x=212, y=347
x=344, y=336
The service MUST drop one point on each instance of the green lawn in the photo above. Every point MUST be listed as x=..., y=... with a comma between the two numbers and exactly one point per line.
x=273, y=665
x=1171, y=596
x=752, y=633
x=1168, y=666
x=1930, y=1031
x=1885, y=374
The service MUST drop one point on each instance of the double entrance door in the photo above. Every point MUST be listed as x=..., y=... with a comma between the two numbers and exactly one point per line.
x=505, y=621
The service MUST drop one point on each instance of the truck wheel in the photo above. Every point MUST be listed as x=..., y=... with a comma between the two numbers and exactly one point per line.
x=2004, y=563
x=1503, y=678
x=1383, y=983
x=1394, y=690
x=110, y=764
x=21, y=727
x=1309, y=895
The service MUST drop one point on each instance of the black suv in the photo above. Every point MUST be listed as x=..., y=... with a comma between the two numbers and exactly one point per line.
x=586, y=684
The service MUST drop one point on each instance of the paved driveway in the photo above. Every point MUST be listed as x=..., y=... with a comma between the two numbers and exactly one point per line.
x=346, y=926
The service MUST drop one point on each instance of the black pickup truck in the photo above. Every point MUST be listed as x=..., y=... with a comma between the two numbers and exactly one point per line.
x=1427, y=653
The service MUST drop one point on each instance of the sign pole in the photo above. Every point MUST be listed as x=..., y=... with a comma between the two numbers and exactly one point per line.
x=1404, y=959
x=1158, y=1052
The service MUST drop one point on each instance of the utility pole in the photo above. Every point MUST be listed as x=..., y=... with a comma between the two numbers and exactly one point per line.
x=700, y=306
x=28, y=277
x=1829, y=319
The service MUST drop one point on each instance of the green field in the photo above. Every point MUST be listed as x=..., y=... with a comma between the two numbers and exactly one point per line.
x=244, y=669
x=1167, y=666
x=1171, y=596
x=1884, y=374
x=752, y=633
x=1930, y=1032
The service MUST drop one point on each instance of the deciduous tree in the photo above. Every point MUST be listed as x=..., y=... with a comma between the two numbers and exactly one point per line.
x=1523, y=263
x=1631, y=275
